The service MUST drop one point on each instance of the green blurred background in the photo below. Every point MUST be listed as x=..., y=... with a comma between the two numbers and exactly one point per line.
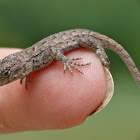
x=23, y=23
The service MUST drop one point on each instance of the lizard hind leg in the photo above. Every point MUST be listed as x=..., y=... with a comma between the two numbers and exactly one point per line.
x=103, y=57
x=26, y=81
x=69, y=62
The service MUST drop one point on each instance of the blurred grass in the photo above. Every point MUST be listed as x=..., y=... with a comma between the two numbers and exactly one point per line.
x=23, y=23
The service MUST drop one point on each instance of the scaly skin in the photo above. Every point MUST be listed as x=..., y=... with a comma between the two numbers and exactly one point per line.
x=21, y=64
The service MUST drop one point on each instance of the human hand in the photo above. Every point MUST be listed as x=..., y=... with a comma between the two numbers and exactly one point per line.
x=54, y=100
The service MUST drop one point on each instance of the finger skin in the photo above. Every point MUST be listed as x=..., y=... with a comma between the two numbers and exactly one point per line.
x=54, y=100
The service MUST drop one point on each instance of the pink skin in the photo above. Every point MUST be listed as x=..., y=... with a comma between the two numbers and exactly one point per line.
x=55, y=100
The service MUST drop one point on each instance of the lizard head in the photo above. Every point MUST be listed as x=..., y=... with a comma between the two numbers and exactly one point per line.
x=9, y=70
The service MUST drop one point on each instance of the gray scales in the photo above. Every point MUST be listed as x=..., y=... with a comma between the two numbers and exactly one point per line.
x=19, y=65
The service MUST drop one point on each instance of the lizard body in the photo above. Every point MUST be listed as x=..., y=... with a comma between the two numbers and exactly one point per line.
x=21, y=64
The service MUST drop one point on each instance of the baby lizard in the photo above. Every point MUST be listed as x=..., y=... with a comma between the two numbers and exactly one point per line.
x=43, y=53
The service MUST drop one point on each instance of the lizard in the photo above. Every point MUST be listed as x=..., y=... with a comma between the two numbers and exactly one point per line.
x=19, y=65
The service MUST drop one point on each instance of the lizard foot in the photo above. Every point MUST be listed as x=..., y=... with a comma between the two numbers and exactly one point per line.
x=70, y=63
x=103, y=57
x=26, y=82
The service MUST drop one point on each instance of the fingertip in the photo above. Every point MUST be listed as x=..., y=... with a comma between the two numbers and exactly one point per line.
x=56, y=100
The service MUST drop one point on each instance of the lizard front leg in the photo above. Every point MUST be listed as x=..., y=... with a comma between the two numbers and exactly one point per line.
x=27, y=80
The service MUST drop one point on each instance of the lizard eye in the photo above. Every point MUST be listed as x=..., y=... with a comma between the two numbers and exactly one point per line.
x=6, y=73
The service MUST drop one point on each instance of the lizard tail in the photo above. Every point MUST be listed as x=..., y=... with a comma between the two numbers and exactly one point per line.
x=117, y=48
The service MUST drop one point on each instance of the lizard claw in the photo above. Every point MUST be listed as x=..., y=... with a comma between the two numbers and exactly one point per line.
x=70, y=63
x=26, y=81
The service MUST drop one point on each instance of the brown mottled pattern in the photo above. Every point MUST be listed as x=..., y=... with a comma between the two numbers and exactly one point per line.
x=21, y=64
